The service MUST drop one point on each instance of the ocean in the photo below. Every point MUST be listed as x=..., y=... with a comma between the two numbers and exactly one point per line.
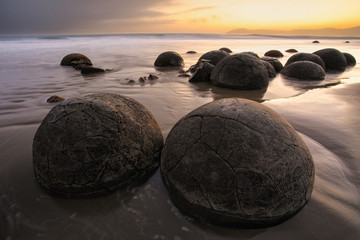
x=325, y=113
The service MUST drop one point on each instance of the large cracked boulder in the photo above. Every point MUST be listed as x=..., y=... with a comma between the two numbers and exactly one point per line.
x=75, y=59
x=240, y=71
x=235, y=162
x=214, y=56
x=304, y=70
x=334, y=60
x=169, y=59
x=306, y=57
x=94, y=145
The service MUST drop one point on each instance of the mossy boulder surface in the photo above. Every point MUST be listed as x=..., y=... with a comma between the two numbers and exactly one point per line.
x=94, y=145
x=240, y=71
x=305, y=70
x=235, y=162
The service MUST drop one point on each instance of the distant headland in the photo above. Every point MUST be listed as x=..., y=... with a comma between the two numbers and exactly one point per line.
x=326, y=32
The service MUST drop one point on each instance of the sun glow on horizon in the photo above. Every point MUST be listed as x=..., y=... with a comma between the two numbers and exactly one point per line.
x=210, y=16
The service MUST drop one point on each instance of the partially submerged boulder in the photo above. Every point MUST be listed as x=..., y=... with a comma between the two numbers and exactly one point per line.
x=169, y=59
x=334, y=60
x=305, y=70
x=240, y=71
x=350, y=59
x=94, y=145
x=306, y=57
x=214, y=56
x=274, y=53
x=252, y=54
x=74, y=59
x=235, y=162
x=274, y=62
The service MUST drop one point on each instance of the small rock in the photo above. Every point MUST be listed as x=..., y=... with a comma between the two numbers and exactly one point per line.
x=316, y=41
x=347, y=42
x=55, y=99
x=191, y=52
x=152, y=77
x=131, y=81
x=184, y=75
x=91, y=70
x=142, y=79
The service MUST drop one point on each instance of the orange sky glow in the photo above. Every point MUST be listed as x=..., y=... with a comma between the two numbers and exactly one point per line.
x=173, y=16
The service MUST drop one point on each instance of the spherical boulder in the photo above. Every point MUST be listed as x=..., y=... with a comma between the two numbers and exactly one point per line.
x=235, y=162
x=274, y=53
x=74, y=59
x=214, y=56
x=306, y=57
x=240, y=71
x=94, y=145
x=305, y=70
x=270, y=69
x=275, y=62
x=169, y=59
x=350, y=59
x=334, y=60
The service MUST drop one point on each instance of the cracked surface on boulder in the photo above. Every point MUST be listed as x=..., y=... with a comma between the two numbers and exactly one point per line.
x=240, y=71
x=236, y=162
x=93, y=145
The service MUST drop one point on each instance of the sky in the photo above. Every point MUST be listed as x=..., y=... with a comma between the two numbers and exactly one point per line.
x=172, y=16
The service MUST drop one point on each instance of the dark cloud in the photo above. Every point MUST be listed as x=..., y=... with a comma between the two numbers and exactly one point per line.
x=54, y=16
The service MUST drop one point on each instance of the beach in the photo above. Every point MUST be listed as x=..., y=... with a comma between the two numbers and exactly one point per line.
x=325, y=114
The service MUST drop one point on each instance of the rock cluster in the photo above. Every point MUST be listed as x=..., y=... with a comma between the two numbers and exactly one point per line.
x=94, y=145
x=236, y=162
